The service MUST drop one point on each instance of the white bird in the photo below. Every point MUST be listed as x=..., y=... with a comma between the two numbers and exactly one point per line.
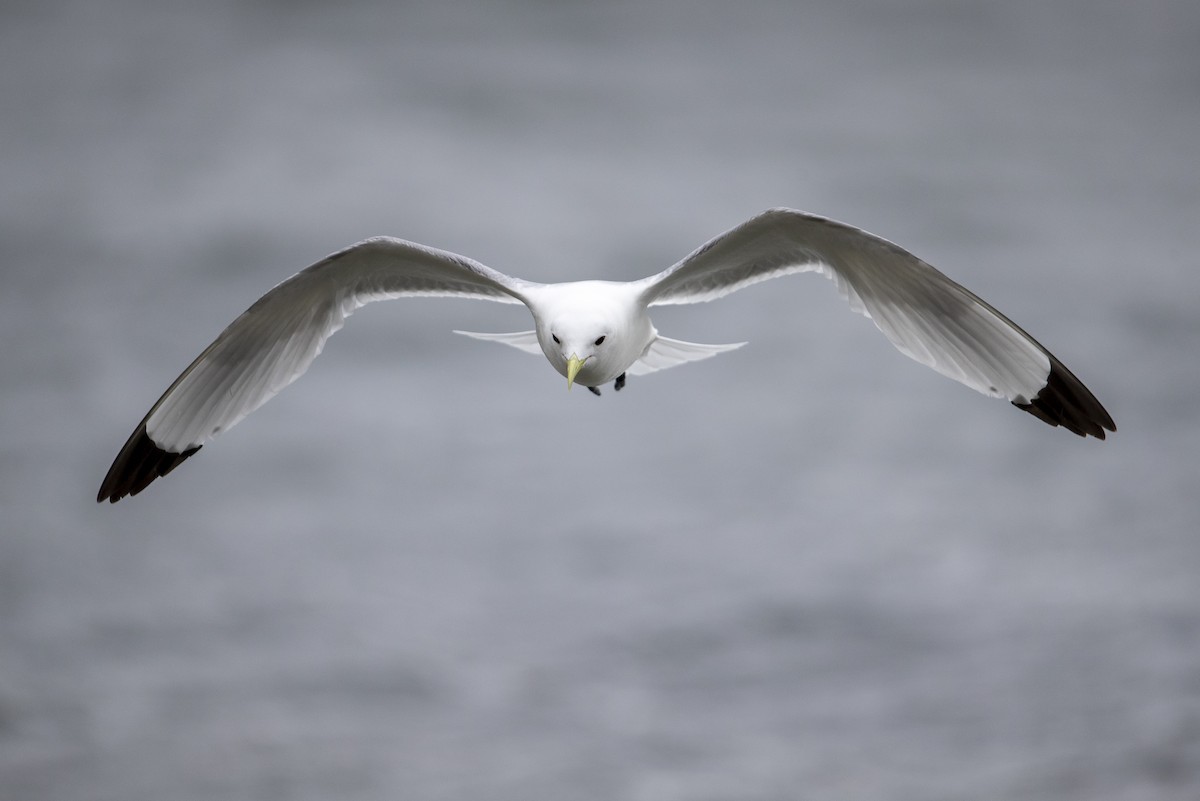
x=594, y=332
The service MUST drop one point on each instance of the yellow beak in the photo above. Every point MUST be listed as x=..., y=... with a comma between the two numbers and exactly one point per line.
x=573, y=365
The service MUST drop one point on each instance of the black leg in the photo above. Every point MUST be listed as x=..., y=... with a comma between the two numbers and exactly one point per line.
x=594, y=391
x=619, y=384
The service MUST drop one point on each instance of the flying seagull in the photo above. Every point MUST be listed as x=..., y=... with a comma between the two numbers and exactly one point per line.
x=593, y=332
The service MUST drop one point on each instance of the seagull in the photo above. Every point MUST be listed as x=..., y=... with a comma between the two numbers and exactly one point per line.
x=594, y=332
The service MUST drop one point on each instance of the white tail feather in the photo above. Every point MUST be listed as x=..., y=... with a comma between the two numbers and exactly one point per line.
x=521, y=340
x=662, y=353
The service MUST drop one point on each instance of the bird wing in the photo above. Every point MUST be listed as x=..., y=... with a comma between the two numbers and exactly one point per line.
x=926, y=316
x=274, y=341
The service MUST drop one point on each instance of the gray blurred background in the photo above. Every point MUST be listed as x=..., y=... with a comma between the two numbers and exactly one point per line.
x=807, y=569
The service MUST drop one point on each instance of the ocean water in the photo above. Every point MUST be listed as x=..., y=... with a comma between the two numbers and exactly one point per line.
x=806, y=569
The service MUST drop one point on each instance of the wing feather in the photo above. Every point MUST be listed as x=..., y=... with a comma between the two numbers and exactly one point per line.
x=273, y=343
x=927, y=316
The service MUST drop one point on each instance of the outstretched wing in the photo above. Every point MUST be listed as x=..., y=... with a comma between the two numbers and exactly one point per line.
x=274, y=341
x=926, y=316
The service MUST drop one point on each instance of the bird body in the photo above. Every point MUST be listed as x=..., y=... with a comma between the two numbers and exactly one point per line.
x=571, y=317
x=593, y=332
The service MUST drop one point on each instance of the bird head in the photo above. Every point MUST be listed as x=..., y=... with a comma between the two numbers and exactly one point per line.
x=576, y=346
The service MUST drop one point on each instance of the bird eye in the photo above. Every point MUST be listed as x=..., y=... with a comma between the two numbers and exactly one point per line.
x=598, y=341
x=557, y=341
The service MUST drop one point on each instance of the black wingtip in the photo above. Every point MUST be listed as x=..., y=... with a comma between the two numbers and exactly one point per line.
x=1066, y=402
x=137, y=465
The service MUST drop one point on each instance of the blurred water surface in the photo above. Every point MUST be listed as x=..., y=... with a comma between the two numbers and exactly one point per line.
x=807, y=569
